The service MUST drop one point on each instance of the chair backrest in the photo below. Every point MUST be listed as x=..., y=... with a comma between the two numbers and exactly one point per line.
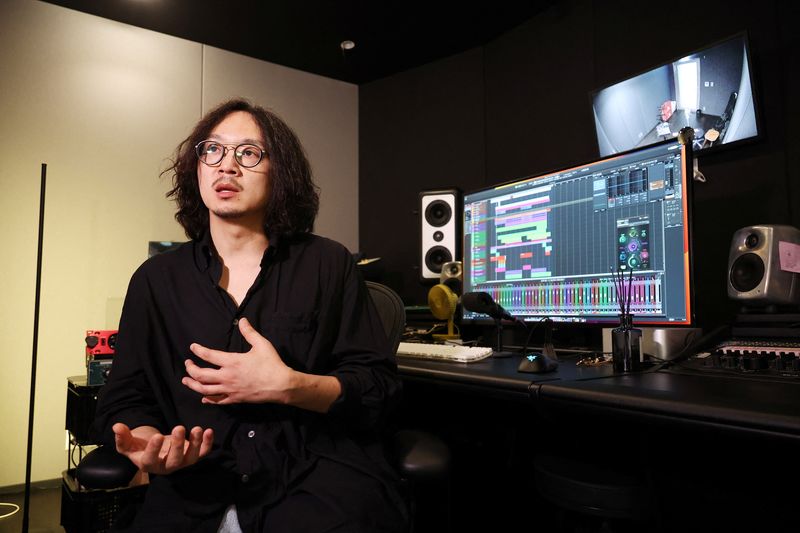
x=391, y=310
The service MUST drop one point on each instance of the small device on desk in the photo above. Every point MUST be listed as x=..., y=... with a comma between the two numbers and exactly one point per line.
x=537, y=363
x=443, y=352
x=100, y=350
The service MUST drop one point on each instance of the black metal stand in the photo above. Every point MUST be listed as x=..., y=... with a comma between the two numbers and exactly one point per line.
x=499, y=352
x=25, y=511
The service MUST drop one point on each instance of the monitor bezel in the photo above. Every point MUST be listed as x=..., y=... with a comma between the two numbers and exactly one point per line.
x=744, y=35
x=688, y=197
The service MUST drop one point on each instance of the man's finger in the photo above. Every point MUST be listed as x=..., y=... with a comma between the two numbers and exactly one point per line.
x=249, y=332
x=122, y=437
x=151, y=462
x=205, y=390
x=217, y=399
x=174, y=458
x=215, y=357
x=193, y=449
x=204, y=375
x=208, y=440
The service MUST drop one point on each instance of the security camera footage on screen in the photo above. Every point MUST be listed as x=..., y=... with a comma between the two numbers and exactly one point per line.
x=709, y=91
x=547, y=246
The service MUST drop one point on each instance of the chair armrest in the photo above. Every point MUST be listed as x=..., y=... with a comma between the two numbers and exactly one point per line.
x=104, y=468
x=420, y=456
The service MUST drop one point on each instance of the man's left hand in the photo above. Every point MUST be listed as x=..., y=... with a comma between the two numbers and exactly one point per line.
x=257, y=376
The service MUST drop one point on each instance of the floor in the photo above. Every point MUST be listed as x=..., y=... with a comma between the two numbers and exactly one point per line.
x=45, y=510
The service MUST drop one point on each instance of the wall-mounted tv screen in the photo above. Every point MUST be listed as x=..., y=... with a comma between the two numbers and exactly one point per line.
x=710, y=90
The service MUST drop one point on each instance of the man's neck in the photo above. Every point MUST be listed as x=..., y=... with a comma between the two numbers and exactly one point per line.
x=237, y=243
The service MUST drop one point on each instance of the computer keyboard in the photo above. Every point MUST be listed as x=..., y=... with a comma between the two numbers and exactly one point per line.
x=443, y=352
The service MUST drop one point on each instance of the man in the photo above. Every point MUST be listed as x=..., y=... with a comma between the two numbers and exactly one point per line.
x=252, y=374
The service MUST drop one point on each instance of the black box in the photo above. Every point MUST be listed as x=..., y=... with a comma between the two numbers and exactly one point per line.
x=94, y=511
x=97, y=371
x=81, y=405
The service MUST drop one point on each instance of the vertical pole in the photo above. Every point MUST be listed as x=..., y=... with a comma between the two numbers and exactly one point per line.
x=25, y=512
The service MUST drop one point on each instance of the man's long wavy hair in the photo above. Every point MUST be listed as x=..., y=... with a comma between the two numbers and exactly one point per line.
x=293, y=199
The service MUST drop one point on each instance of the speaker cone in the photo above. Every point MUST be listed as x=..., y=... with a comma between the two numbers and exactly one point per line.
x=436, y=257
x=747, y=272
x=438, y=213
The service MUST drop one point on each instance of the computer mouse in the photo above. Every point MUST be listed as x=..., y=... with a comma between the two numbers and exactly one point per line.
x=537, y=363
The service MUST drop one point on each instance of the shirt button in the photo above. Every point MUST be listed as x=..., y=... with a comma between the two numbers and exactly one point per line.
x=245, y=478
x=235, y=321
x=251, y=433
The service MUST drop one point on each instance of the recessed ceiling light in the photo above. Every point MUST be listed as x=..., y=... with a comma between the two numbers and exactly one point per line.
x=347, y=45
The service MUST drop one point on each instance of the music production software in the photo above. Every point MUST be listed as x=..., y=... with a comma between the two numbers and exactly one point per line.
x=546, y=246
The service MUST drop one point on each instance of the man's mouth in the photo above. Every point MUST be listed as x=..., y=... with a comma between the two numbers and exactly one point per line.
x=226, y=187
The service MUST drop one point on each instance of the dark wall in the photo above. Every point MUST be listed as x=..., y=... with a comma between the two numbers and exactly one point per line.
x=520, y=106
x=419, y=130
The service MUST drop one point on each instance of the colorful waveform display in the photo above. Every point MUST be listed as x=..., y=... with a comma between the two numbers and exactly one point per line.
x=523, y=242
x=596, y=295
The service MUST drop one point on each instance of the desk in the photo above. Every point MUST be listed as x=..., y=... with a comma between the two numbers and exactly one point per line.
x=716, y=447
x=758, y=407
x=730, y=403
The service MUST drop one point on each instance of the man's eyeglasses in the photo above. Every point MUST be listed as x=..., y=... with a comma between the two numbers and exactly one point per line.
x=212, y=152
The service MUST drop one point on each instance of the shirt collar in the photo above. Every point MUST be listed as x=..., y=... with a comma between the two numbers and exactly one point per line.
x=204, y=253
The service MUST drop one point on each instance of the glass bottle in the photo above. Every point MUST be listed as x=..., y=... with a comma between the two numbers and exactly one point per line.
x=626, y=345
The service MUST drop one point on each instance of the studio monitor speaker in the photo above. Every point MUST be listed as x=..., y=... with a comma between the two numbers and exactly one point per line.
x=452, y=276
x=440, y=235
x=757, y=275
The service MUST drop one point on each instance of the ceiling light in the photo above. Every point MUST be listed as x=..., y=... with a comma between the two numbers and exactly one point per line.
x=347, y=45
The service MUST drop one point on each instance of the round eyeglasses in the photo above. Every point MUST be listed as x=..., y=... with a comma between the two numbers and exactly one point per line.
x=212, y=152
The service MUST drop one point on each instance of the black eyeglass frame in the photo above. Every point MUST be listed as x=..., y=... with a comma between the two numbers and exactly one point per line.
x=237, y=154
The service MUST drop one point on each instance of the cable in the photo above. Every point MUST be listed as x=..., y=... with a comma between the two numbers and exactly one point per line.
x=530, y=334
x=12, y=513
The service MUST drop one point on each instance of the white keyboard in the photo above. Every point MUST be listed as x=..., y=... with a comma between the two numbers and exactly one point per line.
x=443, y=352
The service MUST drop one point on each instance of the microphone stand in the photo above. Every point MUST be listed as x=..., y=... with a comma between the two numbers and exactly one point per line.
x=500, y=353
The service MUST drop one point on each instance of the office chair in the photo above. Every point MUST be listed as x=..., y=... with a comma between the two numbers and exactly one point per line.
x=419, y=457
x=588, y=491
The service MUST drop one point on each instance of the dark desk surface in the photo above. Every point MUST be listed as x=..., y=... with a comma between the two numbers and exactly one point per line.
x=496, y=377
x=731, y=402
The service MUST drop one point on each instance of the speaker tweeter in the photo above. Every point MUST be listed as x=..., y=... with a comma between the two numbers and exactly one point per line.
x=440, y=235
x=755, y=275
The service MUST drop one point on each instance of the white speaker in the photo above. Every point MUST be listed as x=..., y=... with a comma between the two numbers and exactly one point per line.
x=756, y=275
x=440, y=231
x=452, y=276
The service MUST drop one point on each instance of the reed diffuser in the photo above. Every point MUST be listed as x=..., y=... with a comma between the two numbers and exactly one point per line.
x=626, y=340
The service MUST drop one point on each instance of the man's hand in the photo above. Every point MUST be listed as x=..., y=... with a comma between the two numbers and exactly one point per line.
x=155, y=453
x=257, y=376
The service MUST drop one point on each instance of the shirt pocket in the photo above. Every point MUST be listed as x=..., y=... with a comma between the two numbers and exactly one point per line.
x=292, y=334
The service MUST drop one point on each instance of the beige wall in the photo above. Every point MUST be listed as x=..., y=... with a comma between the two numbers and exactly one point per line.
x=104, y=104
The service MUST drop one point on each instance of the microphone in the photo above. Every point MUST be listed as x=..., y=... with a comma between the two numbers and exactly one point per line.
x=482, y=302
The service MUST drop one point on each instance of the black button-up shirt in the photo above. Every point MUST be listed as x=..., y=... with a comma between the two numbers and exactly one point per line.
x=311, y=303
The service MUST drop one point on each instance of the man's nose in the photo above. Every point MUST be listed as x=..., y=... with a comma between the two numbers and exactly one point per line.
x=229, y=163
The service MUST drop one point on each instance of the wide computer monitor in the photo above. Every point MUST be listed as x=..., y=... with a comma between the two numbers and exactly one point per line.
x=709, y=90
x=551, y=246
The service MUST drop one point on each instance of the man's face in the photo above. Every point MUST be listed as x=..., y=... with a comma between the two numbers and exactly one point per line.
x=229, y=190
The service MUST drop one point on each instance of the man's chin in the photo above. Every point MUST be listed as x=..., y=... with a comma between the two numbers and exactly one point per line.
x=228, y=214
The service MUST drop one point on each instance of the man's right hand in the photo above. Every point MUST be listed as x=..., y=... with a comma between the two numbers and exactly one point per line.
x=155, y=453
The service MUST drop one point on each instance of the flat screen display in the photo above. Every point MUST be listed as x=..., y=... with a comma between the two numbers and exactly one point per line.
x=550, y=245
x=710, y=90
